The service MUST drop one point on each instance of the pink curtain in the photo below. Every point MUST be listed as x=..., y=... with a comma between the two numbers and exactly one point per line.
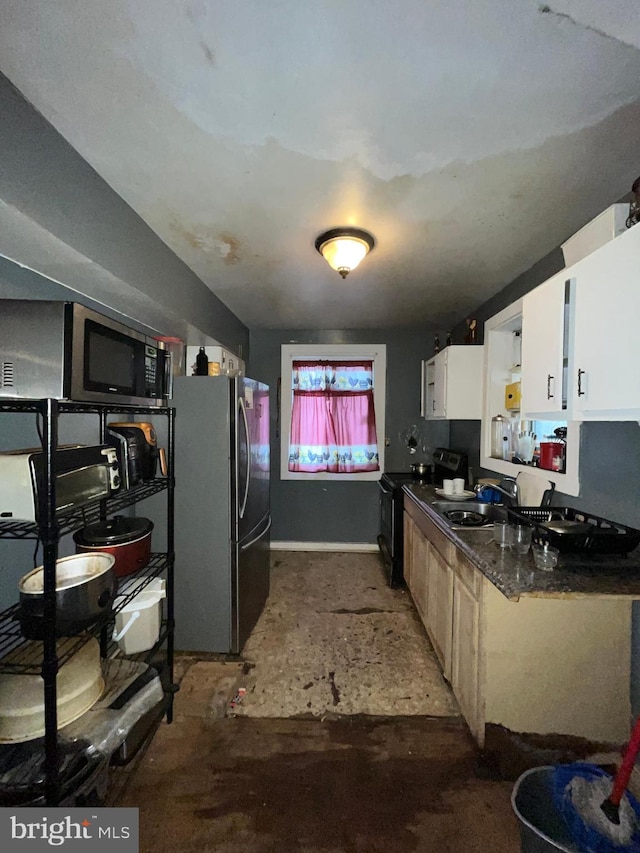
x=333, y=425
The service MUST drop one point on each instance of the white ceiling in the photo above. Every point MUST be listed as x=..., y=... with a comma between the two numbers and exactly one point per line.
x=470, y=138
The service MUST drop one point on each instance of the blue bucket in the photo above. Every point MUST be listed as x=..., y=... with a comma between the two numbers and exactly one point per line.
x=542, y=827
x=548, y=821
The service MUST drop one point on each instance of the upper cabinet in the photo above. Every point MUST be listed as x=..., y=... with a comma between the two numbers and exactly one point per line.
x=544, y=349
x=580, y=337
x=505, y=353
x=575, y=342
x=452, y=384
x=603, y=382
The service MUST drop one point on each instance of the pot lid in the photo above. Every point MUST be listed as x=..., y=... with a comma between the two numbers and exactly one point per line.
x=114, y=531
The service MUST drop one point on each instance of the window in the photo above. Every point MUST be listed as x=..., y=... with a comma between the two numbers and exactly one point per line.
x=328, y=431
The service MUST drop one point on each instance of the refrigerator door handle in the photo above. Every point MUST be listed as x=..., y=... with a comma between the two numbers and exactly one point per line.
x=259, y=536
x=243, y=505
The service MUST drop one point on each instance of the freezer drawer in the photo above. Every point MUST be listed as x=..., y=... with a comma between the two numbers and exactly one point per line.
x=251, y=582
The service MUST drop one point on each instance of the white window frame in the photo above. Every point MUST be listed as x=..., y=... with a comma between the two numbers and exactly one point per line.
x=377, y=353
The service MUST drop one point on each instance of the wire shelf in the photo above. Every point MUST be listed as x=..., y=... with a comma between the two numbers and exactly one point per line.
x=67, y=407
x=87, y=514
x=27, y=655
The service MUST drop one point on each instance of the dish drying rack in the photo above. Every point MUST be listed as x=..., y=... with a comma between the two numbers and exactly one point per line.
x=602, y=537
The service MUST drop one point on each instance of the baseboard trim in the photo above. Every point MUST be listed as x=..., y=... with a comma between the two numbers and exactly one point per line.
x=324, y=546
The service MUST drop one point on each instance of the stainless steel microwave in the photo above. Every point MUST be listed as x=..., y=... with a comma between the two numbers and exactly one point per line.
x=66, y=351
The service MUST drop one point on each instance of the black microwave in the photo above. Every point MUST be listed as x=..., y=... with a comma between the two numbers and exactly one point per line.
x=66, y=351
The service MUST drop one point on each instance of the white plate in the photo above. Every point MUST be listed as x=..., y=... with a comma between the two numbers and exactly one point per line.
x=462, y=496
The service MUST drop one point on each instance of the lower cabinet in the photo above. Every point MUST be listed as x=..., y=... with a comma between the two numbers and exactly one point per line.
x=430, y=581
x=439, y=607
x=465, y=661
x=542, y=664
x=418, y=583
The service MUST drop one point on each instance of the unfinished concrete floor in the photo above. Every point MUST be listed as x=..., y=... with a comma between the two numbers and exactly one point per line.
x=334, y=638
x=355, y=782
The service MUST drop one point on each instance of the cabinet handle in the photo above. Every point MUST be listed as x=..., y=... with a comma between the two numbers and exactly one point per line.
x=549, y=394
x=433, y=405
x=581, y=393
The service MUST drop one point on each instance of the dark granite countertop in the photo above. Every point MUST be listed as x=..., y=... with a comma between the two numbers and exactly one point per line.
x=576, y=575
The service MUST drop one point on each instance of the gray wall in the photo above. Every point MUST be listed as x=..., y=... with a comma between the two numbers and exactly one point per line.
x=70, y=236
x=331, y=511
x=61, y=219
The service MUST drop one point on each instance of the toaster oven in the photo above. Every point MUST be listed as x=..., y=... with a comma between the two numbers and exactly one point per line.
x=81, y=473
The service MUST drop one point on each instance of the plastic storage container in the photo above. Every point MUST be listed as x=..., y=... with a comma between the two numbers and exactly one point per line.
x=499, y=437
x=137, y=627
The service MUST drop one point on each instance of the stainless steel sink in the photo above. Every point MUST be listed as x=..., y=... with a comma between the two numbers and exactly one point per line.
x=475, y=536
x=469, y=515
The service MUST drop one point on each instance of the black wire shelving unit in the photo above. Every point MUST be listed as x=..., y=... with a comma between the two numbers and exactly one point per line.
x=17, y=653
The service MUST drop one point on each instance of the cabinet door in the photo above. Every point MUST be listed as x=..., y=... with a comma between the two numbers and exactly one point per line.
x=543, y=348
x=466, y=656
x=452, y=384
x=439, y=404
x=430, y=389
x=407, y=535
x=607, y=343
x=439, y=608
x=419, y=580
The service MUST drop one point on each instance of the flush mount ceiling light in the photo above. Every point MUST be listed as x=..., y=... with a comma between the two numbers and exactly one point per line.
x=344, y=248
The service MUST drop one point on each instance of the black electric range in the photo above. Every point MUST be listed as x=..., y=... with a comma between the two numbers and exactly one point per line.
x=446, y=463
x=390, y=537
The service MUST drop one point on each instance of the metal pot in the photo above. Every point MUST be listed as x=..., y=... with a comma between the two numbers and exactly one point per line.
x=85, y=588
x=127, y=539
x=421, y=470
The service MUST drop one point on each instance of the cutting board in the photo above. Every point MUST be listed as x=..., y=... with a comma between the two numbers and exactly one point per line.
x=531, y=489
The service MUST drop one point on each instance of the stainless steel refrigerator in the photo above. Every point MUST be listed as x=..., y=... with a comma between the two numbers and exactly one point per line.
x=222, y=516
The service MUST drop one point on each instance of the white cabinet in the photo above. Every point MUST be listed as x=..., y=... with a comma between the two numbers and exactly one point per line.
x=544, y=344
x=582, y=325
x=606, y=346
x=501, y=333
x=452, y=384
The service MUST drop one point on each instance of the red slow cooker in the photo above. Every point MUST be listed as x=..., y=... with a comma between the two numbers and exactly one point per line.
x=128, y=539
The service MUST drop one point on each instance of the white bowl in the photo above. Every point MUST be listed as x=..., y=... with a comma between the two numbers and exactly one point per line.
x=79, y=686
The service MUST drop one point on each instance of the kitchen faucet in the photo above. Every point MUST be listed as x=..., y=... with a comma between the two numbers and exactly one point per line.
x=506, y=487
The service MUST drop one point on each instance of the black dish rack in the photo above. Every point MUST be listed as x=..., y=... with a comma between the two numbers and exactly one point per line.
x=602, y=537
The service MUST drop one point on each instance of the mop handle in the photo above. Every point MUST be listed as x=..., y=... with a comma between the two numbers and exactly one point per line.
x=622, y=776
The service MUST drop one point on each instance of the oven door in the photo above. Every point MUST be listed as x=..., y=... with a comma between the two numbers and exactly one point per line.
x=390, y=535
x=386, y=498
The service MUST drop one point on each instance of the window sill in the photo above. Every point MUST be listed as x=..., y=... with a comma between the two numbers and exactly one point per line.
x=326, y=476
